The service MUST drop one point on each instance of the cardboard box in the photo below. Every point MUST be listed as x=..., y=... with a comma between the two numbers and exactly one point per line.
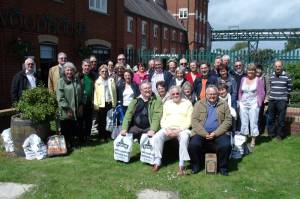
x=211, y=163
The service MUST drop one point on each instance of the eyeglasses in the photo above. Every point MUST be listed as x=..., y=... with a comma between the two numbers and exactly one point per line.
x=93, y=61
x=175, y=94
x=238, y=65
x=183, y=63
x=63, y=58
x=121, y=58
x=104, y=71
x=30, y=64
x=212, y=94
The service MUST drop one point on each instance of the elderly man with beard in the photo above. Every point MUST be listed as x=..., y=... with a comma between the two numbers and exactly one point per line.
x=175, y=123
x=143, y=113
x=200, y=84
x=211, y=120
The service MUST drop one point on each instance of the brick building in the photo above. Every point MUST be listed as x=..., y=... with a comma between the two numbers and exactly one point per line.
x=150, y=26
x=192, y=14
x=43, y=28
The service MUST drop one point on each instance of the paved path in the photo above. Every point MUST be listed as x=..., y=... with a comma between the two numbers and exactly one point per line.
x=151, y=193
x=13, y=190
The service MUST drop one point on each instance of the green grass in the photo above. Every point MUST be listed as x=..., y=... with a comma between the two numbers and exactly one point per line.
x=271, y=171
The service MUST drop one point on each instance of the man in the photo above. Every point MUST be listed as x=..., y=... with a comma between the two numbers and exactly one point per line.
x=94, y=67
x=25, y=79
x=201, y=83
x=172, y=65
x=143, y=113
x=211, y=120
x=122, y=60
x=183, y=64
x=217, y=64
x=175, y=123
x=226, y=60
x=56, y=72
x=238, y=72
x=159, y=75
x=151, y=65
x=280, y=88
x=87, y=79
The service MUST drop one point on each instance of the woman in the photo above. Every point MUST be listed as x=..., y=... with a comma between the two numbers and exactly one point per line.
x=141, y=74
x=172, y=65
x=193, y=74
x=162, y=91
x=127, y=89
x=225, y=78
x=251, y=97
x=178, y=79
x=105, y=98
x=69, y=96
x=187, y=90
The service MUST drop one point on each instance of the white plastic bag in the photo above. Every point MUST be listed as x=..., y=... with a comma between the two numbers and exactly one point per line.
x=116, y=132
x=147, y=149
x=123, y=147
x=34, y=148
x=110, y=120
x=8, y=141
x=239, y=148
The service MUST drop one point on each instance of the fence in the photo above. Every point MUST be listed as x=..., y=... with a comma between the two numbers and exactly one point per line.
x=265, y=57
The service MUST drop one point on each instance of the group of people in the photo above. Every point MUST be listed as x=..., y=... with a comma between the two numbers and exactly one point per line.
x=197, y=104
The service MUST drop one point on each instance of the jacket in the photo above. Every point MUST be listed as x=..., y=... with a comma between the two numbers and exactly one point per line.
x=260, y=91
x=212, y=79
x=189, y=77
x=69, y=97
x=155, y=109
x=167, y=77
x=232, y=89
x=19, y=83
x=121, y=88
x=99, y=93
x=200, y=114
x=173, y=82
x=53, y=78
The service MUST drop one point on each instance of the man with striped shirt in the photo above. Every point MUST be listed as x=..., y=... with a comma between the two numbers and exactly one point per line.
x=280, y=87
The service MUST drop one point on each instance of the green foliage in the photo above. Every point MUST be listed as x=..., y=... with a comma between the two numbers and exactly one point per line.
x=292, y=44
x=239, y=45
x=37, y=104
x=272, y=171
x=293, y=70
x=262, y=56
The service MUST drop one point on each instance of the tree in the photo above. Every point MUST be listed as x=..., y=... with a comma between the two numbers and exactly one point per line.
x=239, y=45
x=262, y=56
x=292, y=44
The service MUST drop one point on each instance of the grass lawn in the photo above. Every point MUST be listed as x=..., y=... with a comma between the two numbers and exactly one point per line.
x=271, y=171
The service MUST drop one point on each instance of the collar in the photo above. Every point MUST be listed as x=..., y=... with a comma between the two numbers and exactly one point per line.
x=143, y=98
x=212, y=105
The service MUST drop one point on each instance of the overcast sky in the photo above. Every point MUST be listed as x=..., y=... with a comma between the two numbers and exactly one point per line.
x=249, y=14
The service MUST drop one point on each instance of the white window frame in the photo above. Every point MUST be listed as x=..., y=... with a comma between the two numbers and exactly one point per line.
x=98, y=6
x=144, y=27
x=155, y=30
x=129, y=24
x=166, y=33
x=183, y=13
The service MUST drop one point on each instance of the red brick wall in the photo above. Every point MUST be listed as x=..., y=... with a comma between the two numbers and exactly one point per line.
x=98, y=26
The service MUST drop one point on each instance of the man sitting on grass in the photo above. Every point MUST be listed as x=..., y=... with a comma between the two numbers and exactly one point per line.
x=211, y=120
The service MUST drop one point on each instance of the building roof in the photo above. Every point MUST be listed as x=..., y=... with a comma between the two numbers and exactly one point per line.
x=151, y=10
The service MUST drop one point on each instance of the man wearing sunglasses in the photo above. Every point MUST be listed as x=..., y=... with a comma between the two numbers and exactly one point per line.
x=175, y=123
x=122, y=60
x=56, y=72
x=25, y=79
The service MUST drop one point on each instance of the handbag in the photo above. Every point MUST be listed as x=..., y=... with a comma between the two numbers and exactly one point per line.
x=56, y=145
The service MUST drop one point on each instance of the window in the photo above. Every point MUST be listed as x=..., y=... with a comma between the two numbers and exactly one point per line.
x=200, y=16
x=166, y=33
x=47, y=51
x=129, y=24
x=144, y=27
x=196, y=37
x=196, y=14
x=155, y=30
x=98, y=5
x=174, y=35
x=183, y=13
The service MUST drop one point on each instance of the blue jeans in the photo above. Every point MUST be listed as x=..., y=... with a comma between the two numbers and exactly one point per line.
x=276, y=108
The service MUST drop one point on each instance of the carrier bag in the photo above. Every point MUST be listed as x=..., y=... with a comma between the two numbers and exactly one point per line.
x=56, y=145
x=123, y=147
x=147, y=149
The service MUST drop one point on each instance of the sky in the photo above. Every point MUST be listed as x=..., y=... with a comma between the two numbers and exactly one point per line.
x=251, y=14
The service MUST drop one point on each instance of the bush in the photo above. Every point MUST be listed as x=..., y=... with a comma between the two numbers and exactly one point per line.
x=294, y=70
x=37, y=105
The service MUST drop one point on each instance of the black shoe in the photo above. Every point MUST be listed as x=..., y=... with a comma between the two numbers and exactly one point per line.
x=224, y=172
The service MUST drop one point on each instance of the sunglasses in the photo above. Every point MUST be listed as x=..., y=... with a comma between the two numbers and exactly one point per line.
x=183, y=63
x=63, y=58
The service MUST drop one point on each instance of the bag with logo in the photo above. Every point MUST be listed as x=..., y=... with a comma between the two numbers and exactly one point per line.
x=147, y=150
x=123, y=147
x=240, y=147
x=56, y=145
x=34, y=148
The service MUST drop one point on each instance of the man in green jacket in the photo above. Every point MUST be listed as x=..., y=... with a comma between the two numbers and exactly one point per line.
x=143, y=113
x=211, y=120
